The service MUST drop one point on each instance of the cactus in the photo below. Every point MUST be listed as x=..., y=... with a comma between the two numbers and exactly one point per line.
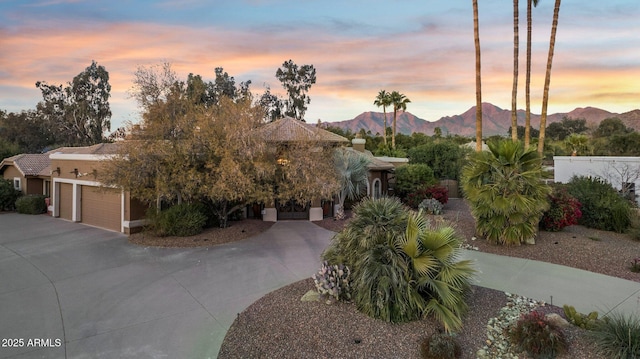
x=333, y=282
x=584, y=321
x=431, y=206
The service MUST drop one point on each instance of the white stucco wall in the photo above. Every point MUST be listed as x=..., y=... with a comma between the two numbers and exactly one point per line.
x=614, y=170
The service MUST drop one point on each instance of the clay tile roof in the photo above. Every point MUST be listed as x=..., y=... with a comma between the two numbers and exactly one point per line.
x=32, y=164
x=99, y=149
x=289, y=130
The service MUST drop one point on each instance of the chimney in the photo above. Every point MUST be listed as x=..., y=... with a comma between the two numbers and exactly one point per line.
x=358, y=143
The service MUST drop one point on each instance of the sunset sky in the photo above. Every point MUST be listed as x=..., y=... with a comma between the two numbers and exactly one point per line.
x=422, y=48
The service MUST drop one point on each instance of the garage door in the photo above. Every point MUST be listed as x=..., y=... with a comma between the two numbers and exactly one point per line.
x=66, y=200
x=101, y=208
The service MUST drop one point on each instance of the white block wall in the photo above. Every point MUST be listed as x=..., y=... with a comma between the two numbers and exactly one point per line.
x=614, y=170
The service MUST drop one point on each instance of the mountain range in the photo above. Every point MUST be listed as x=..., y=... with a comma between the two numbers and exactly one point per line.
x=495, y=121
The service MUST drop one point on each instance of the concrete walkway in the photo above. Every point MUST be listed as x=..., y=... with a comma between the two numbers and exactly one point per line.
x=88, y=293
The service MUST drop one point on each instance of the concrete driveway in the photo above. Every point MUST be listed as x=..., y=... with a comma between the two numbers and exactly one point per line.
x=73, y=291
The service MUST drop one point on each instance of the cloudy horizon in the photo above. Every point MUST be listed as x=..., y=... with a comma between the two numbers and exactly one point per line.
x=422, y=49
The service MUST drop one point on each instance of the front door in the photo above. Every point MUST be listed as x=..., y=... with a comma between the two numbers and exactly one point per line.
x=292, y=210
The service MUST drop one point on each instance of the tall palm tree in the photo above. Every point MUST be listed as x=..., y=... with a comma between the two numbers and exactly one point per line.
x=399, y=102
x=383, y=99
x=547, y=78
x=476, y=37
x=514, y=91
x=527, y=121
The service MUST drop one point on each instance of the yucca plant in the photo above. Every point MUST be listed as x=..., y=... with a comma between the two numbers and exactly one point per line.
x=402, y=268
x=618, y=336
x=506, y=193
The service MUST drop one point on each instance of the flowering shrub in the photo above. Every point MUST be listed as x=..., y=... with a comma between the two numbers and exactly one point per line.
x=564, y=211
x=437, y=192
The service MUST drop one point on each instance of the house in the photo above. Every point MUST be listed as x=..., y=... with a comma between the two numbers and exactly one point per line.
x=29, y=173
x=623, y=173
x=77, y=194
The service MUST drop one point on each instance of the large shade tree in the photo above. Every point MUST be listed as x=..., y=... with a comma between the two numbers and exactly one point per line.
x=79, y=113
x=297, y=80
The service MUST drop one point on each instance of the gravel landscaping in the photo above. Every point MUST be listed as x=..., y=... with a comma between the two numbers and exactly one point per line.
x=280, y=325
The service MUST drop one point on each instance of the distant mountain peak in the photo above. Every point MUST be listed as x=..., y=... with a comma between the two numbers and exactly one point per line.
x=495, y=120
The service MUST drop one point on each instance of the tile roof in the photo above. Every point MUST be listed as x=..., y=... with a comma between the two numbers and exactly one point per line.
x=289, y=130
x=30, y=164
x=375, y=163
x=99, y=149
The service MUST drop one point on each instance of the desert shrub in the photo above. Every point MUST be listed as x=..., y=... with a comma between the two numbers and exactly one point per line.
x=31, y=204
x=635, y=265
x=445, y=158
x=402, y=268
x=617, y=337
x=431, y=206
x=537, y=337
x=634, y=225
x=438, y=192
x=333, y=282
x=602, y=206
x=186, y=219
x=564, y=211
x=440, y=346
x=411, y=177
x=505, y=192
x=8, y=195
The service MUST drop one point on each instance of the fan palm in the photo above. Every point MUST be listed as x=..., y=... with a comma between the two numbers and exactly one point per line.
x=505, y=189
x=476, y=38
x=353, y=174
x=402, y=268
x=399, y=102
x=527, y=123
x=383, y=99
x=547, y=78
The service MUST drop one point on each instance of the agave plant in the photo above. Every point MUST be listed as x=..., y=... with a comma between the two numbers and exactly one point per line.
x=506, y=193
x=402, y=268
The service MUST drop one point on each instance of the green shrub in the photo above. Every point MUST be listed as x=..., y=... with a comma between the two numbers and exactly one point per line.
x=180, y=220
x=505, y=192
x=440, y=346
x=634, y=225
x=411, y=177
x=31, y=204
x=564, y=210
x=602, y=206
x=537, y=337
x=445, y=158
x=8, y=195
x=617, y=337
x=402, y=268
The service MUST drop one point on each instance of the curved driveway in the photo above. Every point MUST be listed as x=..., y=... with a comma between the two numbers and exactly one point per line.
x=73, y=291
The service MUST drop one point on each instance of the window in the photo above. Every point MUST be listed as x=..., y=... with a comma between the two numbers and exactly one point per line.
x=17, y=183
x=47, y=188
x=377, y=188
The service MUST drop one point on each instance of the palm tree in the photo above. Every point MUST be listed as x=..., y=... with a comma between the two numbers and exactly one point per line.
x=399, y=102
x=402, y=268
x=514, y=91
x=527, y=123
x=506, y=193
x=353, y=174
x=547, y=78
x=476, y=37
x=383, y=99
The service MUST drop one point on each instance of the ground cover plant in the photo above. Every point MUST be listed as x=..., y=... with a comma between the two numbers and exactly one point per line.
x=402, y=267
x=182, y=220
